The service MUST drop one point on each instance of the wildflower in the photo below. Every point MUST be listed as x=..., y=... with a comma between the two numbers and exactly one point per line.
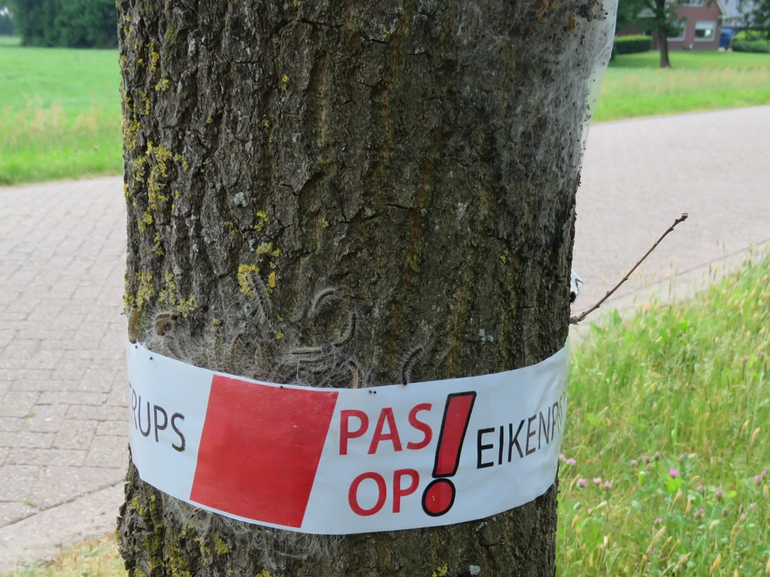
x=757, y=480
x=598, y=480
x=725, y=512
x=645, y=459
x=634, y=462
x=607, y=485
x=657, y=455
x=582, y=482
x=673, y=473
x=698, y=513
x=561, y=457
x=658, y=521
x=764, y=473
x=752, y=506
x=701, y=488
x=718, y=495
x=681, y=458
x=571, y=462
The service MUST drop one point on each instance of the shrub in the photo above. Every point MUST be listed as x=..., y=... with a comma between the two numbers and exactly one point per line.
x=632, y=44
x=758, y=46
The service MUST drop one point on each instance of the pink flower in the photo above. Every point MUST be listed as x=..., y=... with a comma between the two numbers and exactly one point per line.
x=673, y=473
x=582, y=482
x=658, y=521
x=757, y=480
x=752, y=506
x=561, y=457
x=718, y=494
x=598, y=480
x=645, y=459
x=571, y=462
x=764, y=473
x=607, y=485
x=634, y=462
x=681, y=458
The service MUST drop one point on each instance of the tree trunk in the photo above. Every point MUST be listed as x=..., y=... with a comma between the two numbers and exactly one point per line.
x=663, y=47
x=419, y=159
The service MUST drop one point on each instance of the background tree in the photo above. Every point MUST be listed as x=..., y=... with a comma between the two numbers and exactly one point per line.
x=659, y=17
x=756, y=16
x=66, y=23
x=419, y=158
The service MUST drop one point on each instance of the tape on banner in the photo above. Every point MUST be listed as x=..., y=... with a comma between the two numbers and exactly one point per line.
x=342, y=461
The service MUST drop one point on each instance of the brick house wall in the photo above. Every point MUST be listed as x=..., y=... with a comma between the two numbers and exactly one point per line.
x=701, y=29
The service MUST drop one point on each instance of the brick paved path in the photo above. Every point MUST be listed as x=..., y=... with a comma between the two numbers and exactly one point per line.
x=62, y=386
x=639, y=175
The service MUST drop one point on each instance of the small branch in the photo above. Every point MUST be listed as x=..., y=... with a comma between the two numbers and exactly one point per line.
x=576, y=320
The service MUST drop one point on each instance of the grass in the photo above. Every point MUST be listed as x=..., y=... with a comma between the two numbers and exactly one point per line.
x=665, y=467
x=634, y=85
x=59, y=113
x=97, y=558
x=666, y=453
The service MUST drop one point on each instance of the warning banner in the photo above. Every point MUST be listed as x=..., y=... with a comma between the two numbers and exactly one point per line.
x=341, y=461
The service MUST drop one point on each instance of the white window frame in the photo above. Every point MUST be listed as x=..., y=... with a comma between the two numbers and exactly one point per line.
x=692, y=3
x=706, y=26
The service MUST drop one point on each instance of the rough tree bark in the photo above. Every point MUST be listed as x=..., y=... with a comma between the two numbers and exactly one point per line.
x=420, y=157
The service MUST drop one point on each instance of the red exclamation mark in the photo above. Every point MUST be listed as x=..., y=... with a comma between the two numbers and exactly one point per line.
x=439, y=495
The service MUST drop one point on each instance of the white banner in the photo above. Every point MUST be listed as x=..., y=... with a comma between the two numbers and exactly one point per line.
x=341, y=461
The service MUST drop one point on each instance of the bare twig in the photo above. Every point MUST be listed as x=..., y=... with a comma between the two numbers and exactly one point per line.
x=577, y=319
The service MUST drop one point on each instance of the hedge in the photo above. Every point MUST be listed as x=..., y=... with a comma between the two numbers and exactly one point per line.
x=759, y=46
x=632, y=44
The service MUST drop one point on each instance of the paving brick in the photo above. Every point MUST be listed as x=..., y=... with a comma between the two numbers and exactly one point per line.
x=12, y=512
x=113, y=428
x=48, y=457
x=60, y=484
x=75, y=434
x=100, y=413
x=71, y=398
x=97, y=380
x=18, y=404
x=25, y=439
x=11, y=424
x=42, y=385
x=119, y=395
x=45, y=418
x=17, y=481
x=108, y=452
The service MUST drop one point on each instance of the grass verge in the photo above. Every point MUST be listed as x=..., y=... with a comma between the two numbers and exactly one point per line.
x=634, y=86
x=97, y=558
x=666, y=453
x=59, y=113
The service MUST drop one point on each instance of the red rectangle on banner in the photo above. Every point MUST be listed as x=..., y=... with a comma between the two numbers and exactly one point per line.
x=260, y=449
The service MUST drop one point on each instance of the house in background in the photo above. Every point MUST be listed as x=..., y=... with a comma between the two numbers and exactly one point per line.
x=701, y=27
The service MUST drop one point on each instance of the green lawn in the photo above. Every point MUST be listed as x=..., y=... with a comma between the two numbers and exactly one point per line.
x=635, y=86
x=59, y=113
